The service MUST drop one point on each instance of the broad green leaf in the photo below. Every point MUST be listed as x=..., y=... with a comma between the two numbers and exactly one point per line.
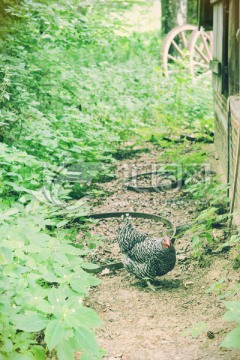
x=60, y=258
x=50, y=277
x=44, y=306
x=196, y=329
x=8, y=346
x=31, y=321
x=56, y=296
x=89, y=266
x=70, y=250
x=38, y=352
x=61, y=270
x=54, y=333
x=89, y=356
x=4, y=303
x=7, y=96
x=94, y=281
x=233, y=313
x=22, y=356
x=88, y=317
x=6, y=255
x=65, y=351
x=80, y=284
x=62, y=223
x=11, y=212
x=232, y=340
x=85, y=340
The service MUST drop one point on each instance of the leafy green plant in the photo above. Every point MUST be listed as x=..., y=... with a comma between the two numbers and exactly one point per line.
x=218, y=288
x=71, y=87
x=232, y=340
x=196, y=329
x=178, y=111
x=213, y=212
x=43, y=285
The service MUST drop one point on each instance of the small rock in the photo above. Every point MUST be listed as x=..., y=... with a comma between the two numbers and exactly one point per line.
x=187, y=283
x=105, y=271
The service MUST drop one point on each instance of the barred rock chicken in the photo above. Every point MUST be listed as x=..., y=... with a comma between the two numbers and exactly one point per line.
x=144, y=256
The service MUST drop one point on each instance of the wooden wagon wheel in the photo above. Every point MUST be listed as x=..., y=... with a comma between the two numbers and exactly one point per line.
x=200, y=51
x=176, y=47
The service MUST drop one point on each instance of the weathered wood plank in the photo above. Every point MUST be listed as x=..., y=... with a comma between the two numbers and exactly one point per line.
x=233, y=48
x=218, y=36
x=215, y=67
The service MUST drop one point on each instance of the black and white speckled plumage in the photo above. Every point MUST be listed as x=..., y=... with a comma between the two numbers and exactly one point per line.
x=142, y=255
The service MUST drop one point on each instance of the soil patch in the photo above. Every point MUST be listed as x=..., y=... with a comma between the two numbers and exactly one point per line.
x=140, y=324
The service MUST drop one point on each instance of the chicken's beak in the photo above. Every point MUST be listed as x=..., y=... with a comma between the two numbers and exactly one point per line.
x=166, y=243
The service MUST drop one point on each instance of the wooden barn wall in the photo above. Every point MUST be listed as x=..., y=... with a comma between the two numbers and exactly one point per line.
x=221, y=131
x=226, y=87
x=219, y=84
x=233, y=91
x=234, y=106
x=233, y=45
x=218, y=40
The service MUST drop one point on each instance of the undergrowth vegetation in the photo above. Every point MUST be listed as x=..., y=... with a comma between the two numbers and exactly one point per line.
x=209, y=232
x=72, y=92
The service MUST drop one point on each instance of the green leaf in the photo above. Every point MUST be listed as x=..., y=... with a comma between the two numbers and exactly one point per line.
x=208, y=237
x=7, y=96
x=8, y=346
x=232, y=340
x=196, y=329
x=80, y=285
x=50, y=277
x=233, y=313
x=88, y=317
x=60, y=257
x=85, y=340
x=30, y=322
x=54, y=333
x=89, y=266
x=44, y=306
x=89, y=356
x=61, y=270
x=62, y=223
x=195, y=240
x=38, y=352
x=93, y=281
x=65, y=351
x=6, y=255
x=23, y=356
x=70, y=250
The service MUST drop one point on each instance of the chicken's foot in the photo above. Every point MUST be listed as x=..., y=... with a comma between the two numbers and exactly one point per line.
x=151, y=287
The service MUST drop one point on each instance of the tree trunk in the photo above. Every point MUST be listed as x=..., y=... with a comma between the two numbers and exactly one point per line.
x=174, y=13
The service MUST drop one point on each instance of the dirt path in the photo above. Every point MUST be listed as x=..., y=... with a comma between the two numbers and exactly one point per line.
x=140, y=324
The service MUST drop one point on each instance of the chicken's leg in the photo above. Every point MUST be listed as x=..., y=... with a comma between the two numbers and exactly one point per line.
x=151, y=287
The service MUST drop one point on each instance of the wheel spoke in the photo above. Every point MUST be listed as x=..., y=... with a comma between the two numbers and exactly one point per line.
x=177, y=60
x=186, y=43
x=208, y=36
x=172, y=57
x=201, y=64
x=184, y=40
x=204, y=57
x=206, y=46
x=177, y=47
